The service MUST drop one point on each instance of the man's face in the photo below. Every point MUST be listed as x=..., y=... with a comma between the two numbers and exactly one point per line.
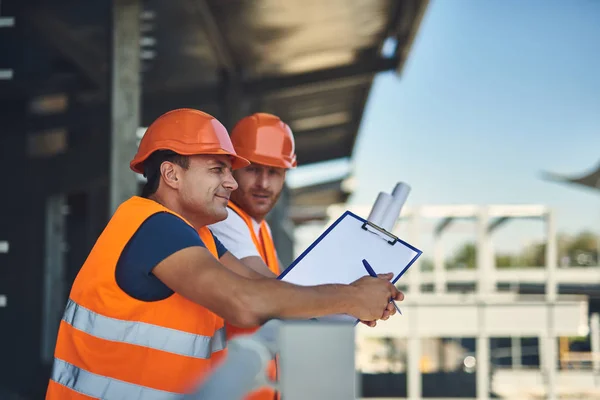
x=259, y=189
x=206, y=187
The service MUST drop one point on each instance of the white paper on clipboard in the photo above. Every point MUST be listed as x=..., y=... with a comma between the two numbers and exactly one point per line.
x=336, y=256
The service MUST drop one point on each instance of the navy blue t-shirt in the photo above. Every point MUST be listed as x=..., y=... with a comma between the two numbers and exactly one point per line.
x=157, y=238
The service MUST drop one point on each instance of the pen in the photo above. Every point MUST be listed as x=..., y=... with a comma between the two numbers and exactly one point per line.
x=373, y=274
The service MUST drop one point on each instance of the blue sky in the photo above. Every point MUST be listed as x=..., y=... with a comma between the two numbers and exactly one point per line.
x=493, y=93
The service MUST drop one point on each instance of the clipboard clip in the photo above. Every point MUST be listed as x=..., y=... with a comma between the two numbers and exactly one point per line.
x=392, y=239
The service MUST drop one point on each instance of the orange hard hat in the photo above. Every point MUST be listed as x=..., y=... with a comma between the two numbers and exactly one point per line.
x=264, y=139
x=186, y=132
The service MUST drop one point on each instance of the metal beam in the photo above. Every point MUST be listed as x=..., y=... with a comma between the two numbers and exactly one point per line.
x=86, y=57
x=320, y=87
x=497, y=223
x=439, y=229
x=125, y=98
x=216, y=39
x=363, y=70
x=234, y=104
x=201, y=96
x=324, y=144
x=306, y=157
x=359, y=109
x=407, y=29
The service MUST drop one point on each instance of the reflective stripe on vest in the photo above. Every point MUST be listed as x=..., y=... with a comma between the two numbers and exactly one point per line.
x=102, y=387
x=113, y=346
x=143, y=334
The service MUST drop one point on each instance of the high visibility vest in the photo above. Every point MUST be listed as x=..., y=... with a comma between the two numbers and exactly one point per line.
x=112, y=346
x=264, y=245
x=266, y=249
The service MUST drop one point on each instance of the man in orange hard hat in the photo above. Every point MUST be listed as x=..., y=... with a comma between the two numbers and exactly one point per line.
x=268, y=143
x=144, y=318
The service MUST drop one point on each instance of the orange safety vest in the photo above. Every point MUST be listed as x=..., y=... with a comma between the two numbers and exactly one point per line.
x=265, y=246
x=113, y=346
x=266, y=249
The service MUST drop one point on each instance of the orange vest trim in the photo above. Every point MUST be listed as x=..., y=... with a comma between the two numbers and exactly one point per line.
x=111, y=345
x=266, y=249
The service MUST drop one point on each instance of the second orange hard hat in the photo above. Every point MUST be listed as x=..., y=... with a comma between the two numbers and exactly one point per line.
x=264, y=139
x=187, y=132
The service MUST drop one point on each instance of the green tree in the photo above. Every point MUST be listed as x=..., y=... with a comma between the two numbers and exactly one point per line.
x=426, y=264
x=534, y=255
x=579, y=250
x=464, y=258
x=506, y=261
x=582, y=250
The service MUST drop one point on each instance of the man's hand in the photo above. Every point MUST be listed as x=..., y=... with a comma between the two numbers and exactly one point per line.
x=387, y=313
x=373, y=298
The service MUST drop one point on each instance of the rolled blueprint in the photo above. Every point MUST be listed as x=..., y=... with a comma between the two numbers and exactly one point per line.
x=379, y=208
x=399, y=196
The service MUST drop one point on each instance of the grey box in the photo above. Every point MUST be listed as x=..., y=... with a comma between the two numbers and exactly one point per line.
x=317, y=360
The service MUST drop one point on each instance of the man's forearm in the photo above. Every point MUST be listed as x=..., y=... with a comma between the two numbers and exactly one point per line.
x=258, y=267
x=249, y=267
x=275, y=299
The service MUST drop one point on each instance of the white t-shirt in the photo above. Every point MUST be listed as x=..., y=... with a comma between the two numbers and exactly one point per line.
x=233, y=233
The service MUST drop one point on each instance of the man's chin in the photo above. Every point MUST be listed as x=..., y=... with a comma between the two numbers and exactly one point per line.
x=259, y=212
x=219, y=214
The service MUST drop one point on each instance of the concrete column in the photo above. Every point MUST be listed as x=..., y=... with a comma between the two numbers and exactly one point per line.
x=486, y=284
x=414, y=273
x=413, y=371
x=125, y=98
x=595, y=339
x=551, y=343
x=482, y=355
x=549, y=349
x=55, y=291
x=551, y=258
x=439, y=268
x=515, y=349
x=282, y=229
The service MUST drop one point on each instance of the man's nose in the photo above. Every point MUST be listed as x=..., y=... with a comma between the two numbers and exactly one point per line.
x=230, y=182
x=262, y=180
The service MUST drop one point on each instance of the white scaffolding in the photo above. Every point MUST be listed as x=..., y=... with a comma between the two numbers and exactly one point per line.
x=484, y=313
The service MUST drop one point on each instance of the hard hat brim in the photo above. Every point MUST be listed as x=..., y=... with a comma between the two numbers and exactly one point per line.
x=268, y=161
x=237, y=162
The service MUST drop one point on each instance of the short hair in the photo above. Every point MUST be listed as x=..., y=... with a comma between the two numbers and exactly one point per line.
x=152, y=168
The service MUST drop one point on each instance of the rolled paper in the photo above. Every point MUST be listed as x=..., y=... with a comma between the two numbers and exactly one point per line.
x=379, y=208
x=399, y=196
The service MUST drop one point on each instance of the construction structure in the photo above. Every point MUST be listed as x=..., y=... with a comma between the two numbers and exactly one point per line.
x=487, y=302
x=483, y=305
x=78, y=79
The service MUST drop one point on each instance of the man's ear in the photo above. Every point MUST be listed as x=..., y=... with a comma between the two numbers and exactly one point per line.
x=170, y=174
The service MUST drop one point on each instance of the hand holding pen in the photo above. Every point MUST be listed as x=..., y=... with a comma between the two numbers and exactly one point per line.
x=371, y=272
